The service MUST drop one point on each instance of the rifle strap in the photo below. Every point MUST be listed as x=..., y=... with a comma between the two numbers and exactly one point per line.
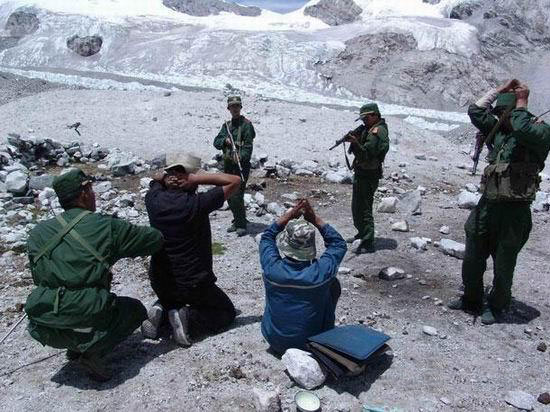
x=346, y=156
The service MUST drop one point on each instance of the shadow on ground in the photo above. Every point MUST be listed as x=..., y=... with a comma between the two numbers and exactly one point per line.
x=385, y=243
x=520, y=313
x=255, y=228
x=358, y=384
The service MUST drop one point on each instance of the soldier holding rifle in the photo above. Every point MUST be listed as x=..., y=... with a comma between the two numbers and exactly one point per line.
x=500, y=224
x=236, y=139
x=369, y=144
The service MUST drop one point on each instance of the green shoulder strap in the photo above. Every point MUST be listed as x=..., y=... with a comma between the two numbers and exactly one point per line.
x=84, y=243
x=66, y=228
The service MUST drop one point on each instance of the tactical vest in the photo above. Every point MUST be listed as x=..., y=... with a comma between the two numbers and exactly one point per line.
x=511, y=181
x=366, y=162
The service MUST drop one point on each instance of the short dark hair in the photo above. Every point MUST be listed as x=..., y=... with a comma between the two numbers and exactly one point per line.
x=69, y=203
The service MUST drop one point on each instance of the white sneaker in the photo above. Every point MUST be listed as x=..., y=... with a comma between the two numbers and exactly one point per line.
x=150, y=327
x=179, y=320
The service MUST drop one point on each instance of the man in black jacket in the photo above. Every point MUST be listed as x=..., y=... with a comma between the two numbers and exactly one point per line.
x=181, y=273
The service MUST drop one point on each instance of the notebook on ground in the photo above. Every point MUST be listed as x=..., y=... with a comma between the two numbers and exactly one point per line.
x=355, y=341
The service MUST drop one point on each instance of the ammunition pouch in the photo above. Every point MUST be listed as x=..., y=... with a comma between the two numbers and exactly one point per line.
x=510, y=182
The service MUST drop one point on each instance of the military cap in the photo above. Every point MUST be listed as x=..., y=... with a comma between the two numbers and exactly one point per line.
x=189, y=162
x=368, y=109
x=504, y=101
x=68, y=185
x=297, y=241
x=231, y=100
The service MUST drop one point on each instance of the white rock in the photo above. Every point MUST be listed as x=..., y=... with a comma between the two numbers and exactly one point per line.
x=419, y=243
x=303, y=172
x=391, y=273
x=339, y=177
x=103, y=187
x=258, y=238
x=468, y=200
x=3, y=187
x=266, y=401
x=282, y=171
x=291, y=196
x=275, y=209
x=355, y=245
x=420, y=156
x=387, y=205
x=444, y=230
x=429, y=330
x=259, y=198
x=309, y=165
x=452, y=248
x=422, y=190
x=303, y=368
x=144, y=182
x=16, y=182
x=520, y=400
x=401, y=226
x=541, y=203
x=470, y=187
x=40, y=182
x=344, y=270
x=248, y=199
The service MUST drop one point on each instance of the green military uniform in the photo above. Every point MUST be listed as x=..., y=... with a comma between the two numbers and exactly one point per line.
x=500, y=224
x=71, y=306
x=373, y=145
x=243, y=134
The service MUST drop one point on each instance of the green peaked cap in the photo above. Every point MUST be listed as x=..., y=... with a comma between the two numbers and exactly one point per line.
x=231, y=100
x=368, y=109
x=68, y=185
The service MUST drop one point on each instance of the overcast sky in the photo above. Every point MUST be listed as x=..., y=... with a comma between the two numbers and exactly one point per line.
x=281, y=6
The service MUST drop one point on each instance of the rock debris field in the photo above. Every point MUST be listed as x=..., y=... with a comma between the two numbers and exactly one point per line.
x=440, y=360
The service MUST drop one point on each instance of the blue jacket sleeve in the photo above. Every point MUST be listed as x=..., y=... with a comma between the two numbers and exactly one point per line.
x=336, y=249
x=269, y=252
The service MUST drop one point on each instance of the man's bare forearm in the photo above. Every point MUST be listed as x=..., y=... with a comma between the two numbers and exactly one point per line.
x=215, y=179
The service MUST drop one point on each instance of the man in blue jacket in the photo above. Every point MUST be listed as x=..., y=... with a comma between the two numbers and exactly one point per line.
x=301, y=291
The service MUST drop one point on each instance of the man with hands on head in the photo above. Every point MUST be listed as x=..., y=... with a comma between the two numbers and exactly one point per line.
x=301, y=292
x=181, y=272
x=500, y=224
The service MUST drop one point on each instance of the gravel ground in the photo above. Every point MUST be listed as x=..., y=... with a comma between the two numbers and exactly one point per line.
x=466, y=367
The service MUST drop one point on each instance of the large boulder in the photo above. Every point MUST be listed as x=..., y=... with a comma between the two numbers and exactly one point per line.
x=303, y=368
x=387, y=205
x=468, y=200
x=85, y=46
x=22, y=23
x=210, y=7
x=335, y=12
x=452, y=248
x=411, y=203
x=40, y=182
x=16, y=182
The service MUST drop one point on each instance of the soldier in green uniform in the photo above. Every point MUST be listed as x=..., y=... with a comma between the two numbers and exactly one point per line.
x=71, y=306
x=500, y=224
x=236, y=162
x=369, y=144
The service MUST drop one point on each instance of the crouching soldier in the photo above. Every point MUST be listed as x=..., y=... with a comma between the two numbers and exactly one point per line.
x=301, y=292
x=70, y=256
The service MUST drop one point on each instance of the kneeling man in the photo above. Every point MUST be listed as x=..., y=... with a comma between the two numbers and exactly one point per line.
x=301, y=291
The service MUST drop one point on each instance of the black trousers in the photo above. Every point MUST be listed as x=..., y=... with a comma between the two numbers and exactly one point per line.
x=210, y=309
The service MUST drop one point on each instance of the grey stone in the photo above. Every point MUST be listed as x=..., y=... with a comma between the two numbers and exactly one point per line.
x=468, y=200
x=420, y=156
x=341, y=176
x=266, y=401
x=520, y=400
x=159, y=162
x=391, y=273
x=210, y=7
x=541, y=203
x=303, y=368
x=85, y=46
x=103, y=187
x=387, y=205
x=429, y=330
x=401, y=226
x=419, y=243
x=3, y=187
x=16, y=182
x=259, y=198
x=444, y=230
x=470, y=187
x=452, y=248
x=275, y=209
x=123, y=168
x=303, y=172
x=411, y=203
x=22, y=23
x=281, y=171
x=40, y=182
x=335, y=12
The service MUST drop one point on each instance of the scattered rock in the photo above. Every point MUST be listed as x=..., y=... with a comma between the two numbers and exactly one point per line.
x=387, y=205
x=472, y=188
x=85, y=46
x=335, y=12
x=266, y=401
x=541, y=203
x=429, y=330
x=344, y=270
x=16, y=182
x=411, y=203
x=468, y=200
x=542, y=347
x=103, y=187
x=520, y=400
x=391, y=273
x=420, y=156
x=544, y=398
x=22, y=23
x=452, y=248
x=303, y=368
x=420, y=243
x=445, y=230
x=275, y=209
x=401, y=226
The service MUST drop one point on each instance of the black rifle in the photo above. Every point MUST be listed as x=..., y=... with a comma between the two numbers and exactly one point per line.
x=341, y=140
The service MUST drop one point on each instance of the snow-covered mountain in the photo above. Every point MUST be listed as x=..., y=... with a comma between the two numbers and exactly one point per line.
x=401, y=52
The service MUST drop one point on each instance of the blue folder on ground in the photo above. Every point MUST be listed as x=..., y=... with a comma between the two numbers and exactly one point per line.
x=346, y=349
x=355, y=341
